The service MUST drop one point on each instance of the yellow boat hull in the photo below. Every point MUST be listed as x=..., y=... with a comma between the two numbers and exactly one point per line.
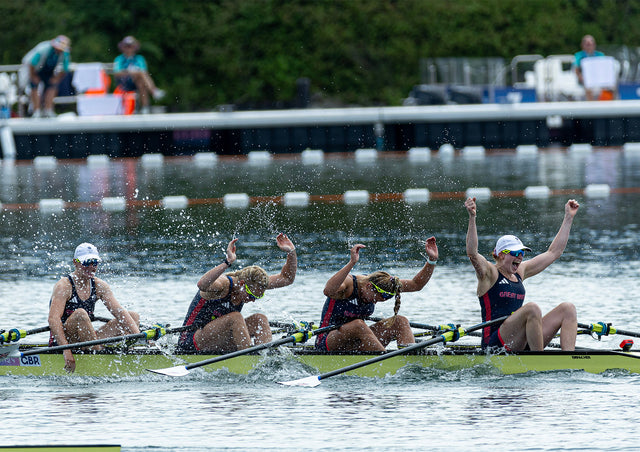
x=136, y=362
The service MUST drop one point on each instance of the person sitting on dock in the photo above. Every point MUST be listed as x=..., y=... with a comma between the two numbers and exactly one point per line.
x=131, y=73
x=46, y=64
x=588, y=45
x=215, y=309
x=73, y=302
x=501, y=292
x=352, y=298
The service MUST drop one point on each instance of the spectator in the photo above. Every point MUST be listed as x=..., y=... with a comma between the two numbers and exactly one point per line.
x=131, y=73
x=46, y=64
x=588, y=46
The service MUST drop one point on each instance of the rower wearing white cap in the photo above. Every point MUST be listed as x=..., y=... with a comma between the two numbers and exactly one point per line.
x=501, y=291
x=73, y=302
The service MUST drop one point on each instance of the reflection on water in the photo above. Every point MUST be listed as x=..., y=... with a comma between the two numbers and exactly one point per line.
x=153, y=258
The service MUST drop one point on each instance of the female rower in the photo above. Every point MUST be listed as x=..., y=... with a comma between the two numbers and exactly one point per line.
x=352, y=298
x=73, y=302
x=501, y=291
x=215, y=310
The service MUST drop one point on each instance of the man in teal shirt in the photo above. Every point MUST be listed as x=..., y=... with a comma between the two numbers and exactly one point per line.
x=47, y=63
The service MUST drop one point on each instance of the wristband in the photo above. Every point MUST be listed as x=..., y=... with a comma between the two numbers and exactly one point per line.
x=430, y=262
x=225, y=261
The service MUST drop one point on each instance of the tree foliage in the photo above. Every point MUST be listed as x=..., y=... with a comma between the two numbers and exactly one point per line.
x=354, y=52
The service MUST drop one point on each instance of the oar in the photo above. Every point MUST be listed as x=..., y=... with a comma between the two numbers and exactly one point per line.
x=300, y=336
x=424, y=326
x=447, y=336
x=15, y=334
x=150, y=334
x=605, y=329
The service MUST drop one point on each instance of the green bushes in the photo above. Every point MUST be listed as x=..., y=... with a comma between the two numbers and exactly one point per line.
x=355, y=52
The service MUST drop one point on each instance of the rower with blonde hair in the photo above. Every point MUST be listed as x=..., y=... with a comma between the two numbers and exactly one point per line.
x=216, y=307
x=352, y=298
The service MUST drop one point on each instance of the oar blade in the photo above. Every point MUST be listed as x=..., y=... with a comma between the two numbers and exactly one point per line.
x=308, y=382
x=177, y=371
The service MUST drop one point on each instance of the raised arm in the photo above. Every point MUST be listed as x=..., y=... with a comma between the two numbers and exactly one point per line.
x=288, y=273
x=424, y=275
x=484, y=269
x=339, y=286
x=208, y=280
x=535, y=265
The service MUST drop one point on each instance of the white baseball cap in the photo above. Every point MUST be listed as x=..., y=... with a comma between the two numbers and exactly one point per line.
x=86, y=251
x=509, y=242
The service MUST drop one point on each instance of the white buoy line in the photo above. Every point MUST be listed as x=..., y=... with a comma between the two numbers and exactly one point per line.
x=303, y=199
x=308, y=156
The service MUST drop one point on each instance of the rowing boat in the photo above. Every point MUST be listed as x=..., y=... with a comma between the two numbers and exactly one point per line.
x=135, y=361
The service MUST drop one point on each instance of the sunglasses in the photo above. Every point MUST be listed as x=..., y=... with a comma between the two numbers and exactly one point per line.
x=385, y=295
x=89, y=262
x=251, y=294
x=514, y=253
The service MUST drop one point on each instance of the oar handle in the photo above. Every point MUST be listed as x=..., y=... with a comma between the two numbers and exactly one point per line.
x=424, y=326
x=149, y=334
x=447, y=336
x=605, y=329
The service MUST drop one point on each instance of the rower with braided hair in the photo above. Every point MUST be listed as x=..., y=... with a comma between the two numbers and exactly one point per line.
x=352, y=298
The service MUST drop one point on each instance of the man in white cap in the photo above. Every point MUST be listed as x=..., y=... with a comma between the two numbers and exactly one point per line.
x=47, y=64
x=501, y=292
x=73, y=301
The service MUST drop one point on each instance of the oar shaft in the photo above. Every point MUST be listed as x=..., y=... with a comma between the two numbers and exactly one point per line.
x=256, y=348
x=405, y=350
x=107, y=340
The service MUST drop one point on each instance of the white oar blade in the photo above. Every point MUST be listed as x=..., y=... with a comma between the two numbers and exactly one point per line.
x=309, y=382
x=178, y=371
x=9, y=351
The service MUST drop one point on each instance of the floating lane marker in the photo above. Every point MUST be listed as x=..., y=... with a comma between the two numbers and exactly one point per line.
x=419, y=154
x=537, y=191
x=597, y=191
x=152, y=160
x=51, y=205
x=113, y=204
x=236, y=200
x=45, y=162
x=478, y=193
x=581, y=147
x=446, y=150
x=473, y=152
x=352, y=197
x=97, y=161
x=631, y=148
x=366, y=155
x=296, y=198
x=416, y=195
x=205, y=158
x=312, y=156
x=527, y=149
x=175, y=202
x=259, y=157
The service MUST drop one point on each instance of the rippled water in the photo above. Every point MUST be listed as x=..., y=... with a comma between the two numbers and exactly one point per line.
x=153, y=257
